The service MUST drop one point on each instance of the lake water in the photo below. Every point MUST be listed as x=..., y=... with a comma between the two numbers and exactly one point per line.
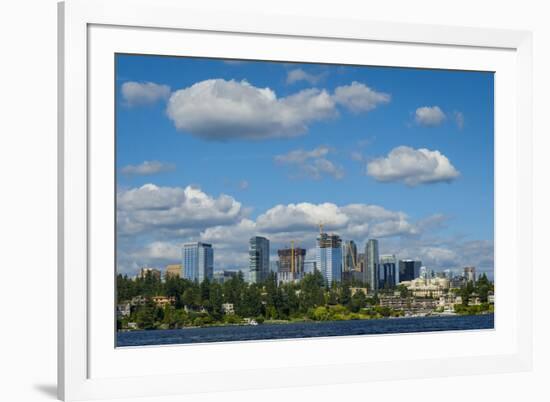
x=304, y=330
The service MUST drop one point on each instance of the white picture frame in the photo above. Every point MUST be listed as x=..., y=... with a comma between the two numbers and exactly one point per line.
x=90, y=367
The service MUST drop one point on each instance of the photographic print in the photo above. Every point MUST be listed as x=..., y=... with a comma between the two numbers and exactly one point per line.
x=262, y=200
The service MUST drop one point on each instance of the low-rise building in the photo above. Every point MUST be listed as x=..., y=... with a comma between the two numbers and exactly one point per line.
x=355, y=290
x=161, y=301
x=491, y=298
x=144, y=272
x=428, y=287
x=409, y=305
x=123, y=310
x=458, y=282
x=138, y=301
x=474, y=300
x=289, y=277
x=228, y=308
x=223, y=276
x=173, y=270
x=447, y=302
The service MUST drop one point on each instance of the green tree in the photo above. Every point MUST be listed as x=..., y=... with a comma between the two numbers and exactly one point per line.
x=465, y=293
x=311, y=291
x=403, y=291
x=145, y=317
x=483, y=287
x=252, y=302
x=321, y=313
x=273, y=297
x=191, y=297
x=216, y=301
x=205, y=290
x=358, y=301
x=345, y=297
x=233, y=290
x=290, y=302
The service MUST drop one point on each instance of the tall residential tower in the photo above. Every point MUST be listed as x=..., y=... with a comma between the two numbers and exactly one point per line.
x=388, y=274
x=329, y=257
x=258, y=259
x=409, y=270
x=372, y=263
x=291, y=264
x=198, y=261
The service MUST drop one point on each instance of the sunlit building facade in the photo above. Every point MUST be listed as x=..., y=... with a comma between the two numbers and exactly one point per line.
x=198, y=260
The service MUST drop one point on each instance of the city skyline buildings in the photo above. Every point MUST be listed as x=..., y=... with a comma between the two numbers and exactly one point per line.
x=409, y=269
x=372, y=263
x=329, y=257
x=258, y=259
x=388, y=272
x=292, y=263
x=198, y=261
x=349, y=256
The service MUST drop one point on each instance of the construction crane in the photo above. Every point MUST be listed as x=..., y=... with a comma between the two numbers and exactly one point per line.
x=292, y=255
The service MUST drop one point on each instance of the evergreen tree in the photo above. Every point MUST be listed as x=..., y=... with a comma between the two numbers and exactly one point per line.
x=345, y=297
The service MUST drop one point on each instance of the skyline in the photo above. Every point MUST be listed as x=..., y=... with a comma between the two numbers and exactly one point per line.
x=368, y=263
x=205, y=152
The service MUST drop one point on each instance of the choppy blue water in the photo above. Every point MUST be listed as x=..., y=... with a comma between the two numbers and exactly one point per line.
x=304, y=330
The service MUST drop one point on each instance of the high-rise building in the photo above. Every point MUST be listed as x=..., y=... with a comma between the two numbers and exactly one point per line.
x=388, y=274
x=291, y=264
x=198, y=260
x=372, y=263
x=258, y=252
x=173, y=270
x=409, y=270
x=223, y=276
x=361, y=262
x=310, y=266
x=426, y=273
x=349, y=260
x=349, y=256
x=274, y=266
x=329, y=257
x=470, y=274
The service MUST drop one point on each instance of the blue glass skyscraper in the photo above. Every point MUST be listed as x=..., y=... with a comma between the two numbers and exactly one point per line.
x=198, y=261
x=329, y=257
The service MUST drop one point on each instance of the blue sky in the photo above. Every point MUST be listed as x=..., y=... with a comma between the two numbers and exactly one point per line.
x=210, y=149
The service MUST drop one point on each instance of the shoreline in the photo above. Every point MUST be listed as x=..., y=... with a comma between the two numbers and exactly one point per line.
x=305, y=320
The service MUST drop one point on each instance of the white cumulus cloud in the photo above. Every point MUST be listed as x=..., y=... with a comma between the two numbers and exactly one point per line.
x=412, y=167
x=143, y=93
x=150, y=207
x=358, y=97
x=312, y=164
x=429, y=116
x=298, y=74
x=147, y=168
x=221, y=110
x=302, y=216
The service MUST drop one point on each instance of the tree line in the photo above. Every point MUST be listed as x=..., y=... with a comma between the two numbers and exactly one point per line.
x=197, y=304
x=202, y=303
